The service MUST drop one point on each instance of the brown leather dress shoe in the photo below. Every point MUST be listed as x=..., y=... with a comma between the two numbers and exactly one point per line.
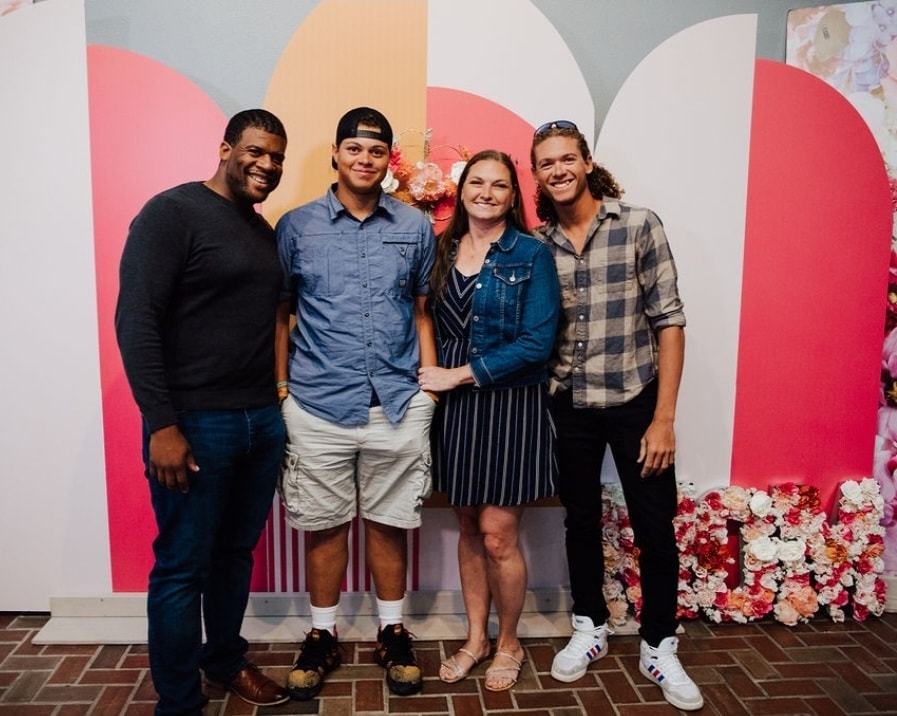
x=255, y=688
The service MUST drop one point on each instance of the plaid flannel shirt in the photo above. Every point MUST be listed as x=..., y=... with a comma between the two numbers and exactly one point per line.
x=615, y=297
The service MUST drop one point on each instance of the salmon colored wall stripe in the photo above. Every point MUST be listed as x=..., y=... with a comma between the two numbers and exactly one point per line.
x=320, y=76
x=144, y=121
x=814, y=287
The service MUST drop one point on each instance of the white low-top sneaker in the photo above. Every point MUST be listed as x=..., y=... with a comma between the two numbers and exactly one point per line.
x=661, y=665
x=588, y=644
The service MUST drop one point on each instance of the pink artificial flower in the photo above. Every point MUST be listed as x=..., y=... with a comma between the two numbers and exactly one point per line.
x=427, y=184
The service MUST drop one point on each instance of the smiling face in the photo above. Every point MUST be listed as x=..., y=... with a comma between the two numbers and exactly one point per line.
x=253, y=166
x=488, y=192
x=561, y=170
x=361, y=163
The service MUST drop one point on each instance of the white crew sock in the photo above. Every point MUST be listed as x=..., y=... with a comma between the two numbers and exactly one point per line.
x=390, y=612
x=324, y=618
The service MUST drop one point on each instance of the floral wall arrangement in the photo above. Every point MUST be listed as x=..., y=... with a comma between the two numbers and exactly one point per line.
x=791, y=564
x=423, y=183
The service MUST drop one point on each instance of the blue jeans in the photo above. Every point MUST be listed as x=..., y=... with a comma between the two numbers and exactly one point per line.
x=583, y=435
x=203, y=552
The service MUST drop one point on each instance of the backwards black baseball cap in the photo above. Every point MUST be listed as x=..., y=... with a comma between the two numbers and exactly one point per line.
x=376, y=126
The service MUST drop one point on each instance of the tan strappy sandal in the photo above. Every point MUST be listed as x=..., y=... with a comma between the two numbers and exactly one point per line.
x=506, y=676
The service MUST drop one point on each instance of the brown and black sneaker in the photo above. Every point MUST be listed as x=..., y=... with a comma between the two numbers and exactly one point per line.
x=393, y=652
x=318, y=655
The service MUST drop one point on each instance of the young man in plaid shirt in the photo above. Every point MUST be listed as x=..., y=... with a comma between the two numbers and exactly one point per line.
x=614, y=379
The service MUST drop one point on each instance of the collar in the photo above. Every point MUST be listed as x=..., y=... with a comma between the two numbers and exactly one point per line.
x=335, y=206
x=508, y=240
x=610, y=206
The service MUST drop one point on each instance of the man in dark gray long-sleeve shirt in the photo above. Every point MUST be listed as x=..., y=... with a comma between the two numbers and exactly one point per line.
x=200, y=278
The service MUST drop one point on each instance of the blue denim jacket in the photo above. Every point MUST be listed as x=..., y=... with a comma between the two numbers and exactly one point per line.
x=514, y=315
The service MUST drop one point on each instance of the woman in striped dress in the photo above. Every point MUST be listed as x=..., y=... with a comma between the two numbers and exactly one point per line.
x=495, y=299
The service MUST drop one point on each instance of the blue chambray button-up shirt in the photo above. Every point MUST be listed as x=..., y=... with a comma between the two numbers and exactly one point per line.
x=353, y=285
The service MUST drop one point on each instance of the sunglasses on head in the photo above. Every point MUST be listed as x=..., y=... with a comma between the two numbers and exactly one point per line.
x=557, y=124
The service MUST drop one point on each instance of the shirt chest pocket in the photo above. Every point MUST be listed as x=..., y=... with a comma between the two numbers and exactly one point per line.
x=397, y=263
x=325, y=269
x=511, y=283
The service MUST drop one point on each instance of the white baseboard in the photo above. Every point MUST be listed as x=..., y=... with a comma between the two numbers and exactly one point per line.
x=281, y=618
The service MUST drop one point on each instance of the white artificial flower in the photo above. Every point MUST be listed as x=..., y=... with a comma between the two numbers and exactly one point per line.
x=455, y=171
x=762, y=549
x=792, y=550
x=389, y=183
x=852, y=491
x=761, y=503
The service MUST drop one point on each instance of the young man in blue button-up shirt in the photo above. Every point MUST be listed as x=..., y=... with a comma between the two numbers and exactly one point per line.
x=357, y=264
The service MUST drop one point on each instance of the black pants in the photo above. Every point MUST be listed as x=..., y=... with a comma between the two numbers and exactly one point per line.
x=583, y=435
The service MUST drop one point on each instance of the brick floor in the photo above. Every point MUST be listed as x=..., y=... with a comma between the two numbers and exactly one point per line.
x=743, y=670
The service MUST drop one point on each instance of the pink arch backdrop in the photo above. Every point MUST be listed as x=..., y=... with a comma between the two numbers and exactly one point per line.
x=806, y=340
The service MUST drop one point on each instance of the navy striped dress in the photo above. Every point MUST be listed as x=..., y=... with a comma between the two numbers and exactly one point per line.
x=490, y=447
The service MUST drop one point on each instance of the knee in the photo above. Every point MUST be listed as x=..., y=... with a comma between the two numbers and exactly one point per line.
x=499, y=546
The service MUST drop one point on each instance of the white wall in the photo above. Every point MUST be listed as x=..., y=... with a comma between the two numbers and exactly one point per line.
x=53, y=533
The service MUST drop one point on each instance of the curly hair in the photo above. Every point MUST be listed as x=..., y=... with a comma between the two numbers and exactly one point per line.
x=459, y=223
x=601, y=181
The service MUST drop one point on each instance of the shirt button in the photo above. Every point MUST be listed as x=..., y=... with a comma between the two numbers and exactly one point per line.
x=486, y=261
x=582, y=317
x=581, y=289
x=476, y=318
x=364, y=285
x=474, y=350
x=367, y=315
x=579, y=344
x=363, y=254
x=479, y=285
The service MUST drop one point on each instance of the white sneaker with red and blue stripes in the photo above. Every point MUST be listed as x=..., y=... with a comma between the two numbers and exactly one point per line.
x=588, y=644
x=662, y=666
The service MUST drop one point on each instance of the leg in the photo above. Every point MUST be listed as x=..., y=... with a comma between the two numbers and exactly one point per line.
x=247, y=506
x=581, y=445
x=393, y=482
x=474, y=581
x=506, y=575
x=318, y=491
x=505, y=569
x=651, y=503
x=477, y=598
x=581, y=439
x=188, y=525
x=326, y=559
x=387, y=557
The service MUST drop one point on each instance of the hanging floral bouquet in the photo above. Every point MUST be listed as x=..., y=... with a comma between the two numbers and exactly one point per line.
x=424, y=184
